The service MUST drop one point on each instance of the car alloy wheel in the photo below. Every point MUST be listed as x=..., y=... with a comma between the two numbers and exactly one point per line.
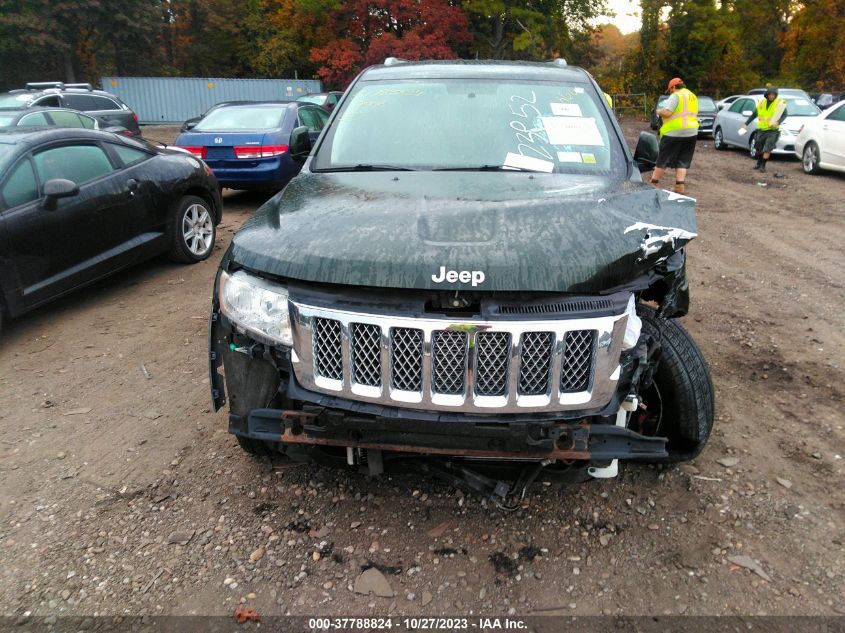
x=718, y=141
x=811, y=158
x=752, y=146
x=198, y=229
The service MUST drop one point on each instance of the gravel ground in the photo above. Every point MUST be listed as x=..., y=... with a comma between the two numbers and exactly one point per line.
x=123, y=494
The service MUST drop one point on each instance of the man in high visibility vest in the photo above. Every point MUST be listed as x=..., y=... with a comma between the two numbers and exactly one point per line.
x=770, y=113
x=677, y=134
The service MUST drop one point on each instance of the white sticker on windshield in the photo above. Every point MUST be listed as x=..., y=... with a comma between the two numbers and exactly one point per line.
x=566, y=109
x=579, y=90
x=569, y=157
x=518, y=161
x=802, y=102
x=572, y=130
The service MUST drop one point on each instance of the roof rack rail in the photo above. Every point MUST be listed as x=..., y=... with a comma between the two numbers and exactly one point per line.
x=82, y=86
x=392, y=61
x=45, y=84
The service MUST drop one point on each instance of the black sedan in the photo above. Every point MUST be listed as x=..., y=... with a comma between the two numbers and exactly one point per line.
x=58, y=117
x=77, y=205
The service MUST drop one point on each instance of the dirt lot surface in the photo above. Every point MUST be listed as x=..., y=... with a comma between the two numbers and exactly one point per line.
x=121, y=493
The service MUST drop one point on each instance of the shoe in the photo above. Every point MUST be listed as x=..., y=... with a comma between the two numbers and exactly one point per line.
x=678, y=188
x=757, y=167
x=763, y=168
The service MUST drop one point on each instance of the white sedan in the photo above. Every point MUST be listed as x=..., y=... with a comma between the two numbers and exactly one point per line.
x=821, y=141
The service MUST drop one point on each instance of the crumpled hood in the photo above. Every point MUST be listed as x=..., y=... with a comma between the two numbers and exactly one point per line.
x=521, y=231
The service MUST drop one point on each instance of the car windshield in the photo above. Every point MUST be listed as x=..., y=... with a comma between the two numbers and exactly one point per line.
x=706, y=103
x=318, y=99
x=18, y=100
x=241, y=118
x=6, y=119
x=801, y=107
x=473, y=124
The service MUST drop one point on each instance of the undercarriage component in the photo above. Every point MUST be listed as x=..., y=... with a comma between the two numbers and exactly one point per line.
x=562, y=440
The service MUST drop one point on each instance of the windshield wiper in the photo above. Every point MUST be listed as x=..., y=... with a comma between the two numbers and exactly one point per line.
x=484, y=168
x=363, y=167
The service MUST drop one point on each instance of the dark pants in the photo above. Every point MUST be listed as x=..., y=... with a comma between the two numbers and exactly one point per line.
x=676, y=151
x=765, y=141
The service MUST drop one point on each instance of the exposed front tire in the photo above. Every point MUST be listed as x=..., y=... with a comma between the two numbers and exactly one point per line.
x=810, y=158
x=192, y=230
x=680, y=401
x=719, y=140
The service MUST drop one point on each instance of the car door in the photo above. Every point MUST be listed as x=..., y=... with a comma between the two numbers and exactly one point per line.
x=732, y=120
x=309, y=116
x=833, y=136
x=60, y=244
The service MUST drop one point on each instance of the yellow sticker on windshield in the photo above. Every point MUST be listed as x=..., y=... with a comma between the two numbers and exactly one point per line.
x=588, y=158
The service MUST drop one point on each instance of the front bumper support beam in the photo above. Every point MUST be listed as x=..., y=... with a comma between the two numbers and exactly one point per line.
x=557, y=440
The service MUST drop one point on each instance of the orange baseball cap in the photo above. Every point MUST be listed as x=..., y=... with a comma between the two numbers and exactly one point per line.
x=674, y=82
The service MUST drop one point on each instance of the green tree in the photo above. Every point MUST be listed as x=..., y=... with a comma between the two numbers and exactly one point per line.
x=531, y=29
x=814, y=46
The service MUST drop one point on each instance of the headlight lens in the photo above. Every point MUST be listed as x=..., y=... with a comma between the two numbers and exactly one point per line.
x=258, y=306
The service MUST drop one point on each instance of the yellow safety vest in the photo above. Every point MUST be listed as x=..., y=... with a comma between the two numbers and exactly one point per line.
x=685, y=115
x=766, y=113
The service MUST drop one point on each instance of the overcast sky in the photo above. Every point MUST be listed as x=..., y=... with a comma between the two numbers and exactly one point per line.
x=627, y=16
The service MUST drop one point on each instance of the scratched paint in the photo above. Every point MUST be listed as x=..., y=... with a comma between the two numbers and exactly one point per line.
x=526, y=232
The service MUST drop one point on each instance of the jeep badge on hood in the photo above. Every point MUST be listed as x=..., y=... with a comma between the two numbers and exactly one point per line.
x=464, y=276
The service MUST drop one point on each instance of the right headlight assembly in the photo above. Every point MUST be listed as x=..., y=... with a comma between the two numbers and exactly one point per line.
x=257, y=306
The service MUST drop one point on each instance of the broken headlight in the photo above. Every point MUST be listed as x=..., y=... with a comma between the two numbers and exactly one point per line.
x=257, y=306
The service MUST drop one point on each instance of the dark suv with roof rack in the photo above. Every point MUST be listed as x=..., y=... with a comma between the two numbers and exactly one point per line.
x=83, y=97
x=468, y=267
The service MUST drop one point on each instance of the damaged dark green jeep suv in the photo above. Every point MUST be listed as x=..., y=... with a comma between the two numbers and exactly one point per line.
x=470, y=269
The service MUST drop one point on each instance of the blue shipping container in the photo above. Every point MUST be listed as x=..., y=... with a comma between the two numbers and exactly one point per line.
x=175, y=99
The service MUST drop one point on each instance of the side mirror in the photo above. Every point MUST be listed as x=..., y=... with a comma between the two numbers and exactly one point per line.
x=300, y=143
x=59, y=188
x=645, y=155
x=746, y=113
x=189, y=125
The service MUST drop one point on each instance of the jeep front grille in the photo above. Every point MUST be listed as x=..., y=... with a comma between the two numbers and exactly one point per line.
x=505, y=366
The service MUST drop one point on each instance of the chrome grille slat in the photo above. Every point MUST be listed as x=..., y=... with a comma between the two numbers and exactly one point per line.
x=491, y=363
x=536, y=358
x=577, y=365
x=366, y=354
x=328, y=355
x=449, y=362
x=481, y=366
x=406, y=359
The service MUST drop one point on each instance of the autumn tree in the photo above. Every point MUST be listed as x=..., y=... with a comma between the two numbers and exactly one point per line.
x=814, y=46
x=375, y=29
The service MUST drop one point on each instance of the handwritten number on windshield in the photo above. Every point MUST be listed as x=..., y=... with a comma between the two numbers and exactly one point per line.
x=526, y=137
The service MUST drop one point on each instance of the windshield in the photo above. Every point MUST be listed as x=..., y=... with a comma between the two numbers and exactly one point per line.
x=318, y=99
x=18, y=100
x=240, y=118
x=473, y=124
x=801, y=107
x=706, y=103
x=6, y=119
